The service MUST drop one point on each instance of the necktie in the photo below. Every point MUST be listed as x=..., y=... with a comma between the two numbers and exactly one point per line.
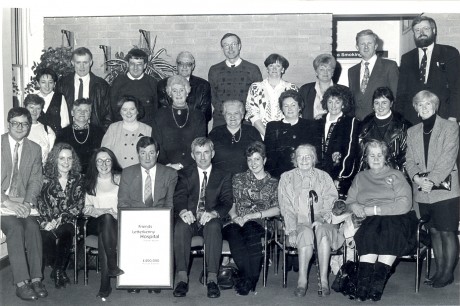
x=80, y=90
x=148, y=200
x=233, y=66
x=14, y=177
x=423, y=66
x=200, y=209
x=365, y=77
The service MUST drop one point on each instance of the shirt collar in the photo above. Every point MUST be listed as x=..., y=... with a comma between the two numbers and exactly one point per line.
x=371, y=61
x=13, y=142
x=328, y=116
x=151, y=170
x=208, y=170
x=84, y=79
x=236, y=64
x=383, y=117
x=133, y=78
x=429, y=50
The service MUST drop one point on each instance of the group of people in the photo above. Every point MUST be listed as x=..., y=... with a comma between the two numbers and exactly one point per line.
x=272, y=144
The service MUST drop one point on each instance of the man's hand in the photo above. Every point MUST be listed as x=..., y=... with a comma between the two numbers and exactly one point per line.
x=207, y=216
x=22, y=210
x=187, y=216
x=358, y=210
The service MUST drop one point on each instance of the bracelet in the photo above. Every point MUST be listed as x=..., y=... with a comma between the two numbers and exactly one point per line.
x=375, y=210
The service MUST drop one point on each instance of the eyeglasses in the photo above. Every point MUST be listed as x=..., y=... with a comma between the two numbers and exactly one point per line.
x=423, y=29
x=325, y=69
x=16, y=124
x=101, y=162
x=233, y=45
x=184, y=64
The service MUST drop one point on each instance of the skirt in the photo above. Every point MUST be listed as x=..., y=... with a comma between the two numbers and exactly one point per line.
x=387, y=235
x=330, y=231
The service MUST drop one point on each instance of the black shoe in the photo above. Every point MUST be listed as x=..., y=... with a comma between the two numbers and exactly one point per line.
x=244, y=286
x=213, y=290
x=58, y=277
x=181, y=289
x=26, y=293
x=65, y=278
x=39, y=289
x=115, y=272
x=134, y=290
x=104, y=294
x=157, y=291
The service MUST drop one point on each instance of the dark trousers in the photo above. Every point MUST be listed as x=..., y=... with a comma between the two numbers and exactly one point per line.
x=23, y=234
x=57, y=245
x=246, y=247
x=106, y=228
x=212, y=234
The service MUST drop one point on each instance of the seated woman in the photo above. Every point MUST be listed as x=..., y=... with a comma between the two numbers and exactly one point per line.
x=282, y=137
x=254, y=198
x=383, y=197
x=293, y=194
x=385, y=125
x=61, y=199
x=339, y=137
x=121, y=137
x=177, y=125
x=101, y=203
x=232, y=139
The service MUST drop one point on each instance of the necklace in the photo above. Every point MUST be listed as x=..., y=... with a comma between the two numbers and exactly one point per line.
x=75, y=136
x=179, y=112
x=234, y=139
x=428, y=132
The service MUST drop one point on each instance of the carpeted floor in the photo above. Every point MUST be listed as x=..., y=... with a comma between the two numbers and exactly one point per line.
x=399, y=291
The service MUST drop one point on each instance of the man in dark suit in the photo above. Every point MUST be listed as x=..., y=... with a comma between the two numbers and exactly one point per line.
x=437, y=71
x=84, y=84
x=21, y=184
x=371, y=73
x=199, y=97
x=134, y=192
x=203, y=197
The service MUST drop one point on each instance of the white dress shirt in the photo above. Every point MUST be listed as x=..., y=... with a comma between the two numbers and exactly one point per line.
x=429, y=52
x=371, y=62
x=85, y=80
x=153, y=173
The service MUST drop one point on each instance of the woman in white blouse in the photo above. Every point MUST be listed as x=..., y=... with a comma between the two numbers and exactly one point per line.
x=102, y=179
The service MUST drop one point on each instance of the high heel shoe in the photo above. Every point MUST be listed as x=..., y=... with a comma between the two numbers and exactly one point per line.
x=65, y=278
x=57, y=276
x=115, y=272
x=440, y=284
x=104, y=294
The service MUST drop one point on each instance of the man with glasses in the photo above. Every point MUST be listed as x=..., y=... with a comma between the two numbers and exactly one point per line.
x=85, y=84
x=136, y=83
x=231, y=79
x=21, y=184
x=432, y=67
x=371, y=73
x=199, y=97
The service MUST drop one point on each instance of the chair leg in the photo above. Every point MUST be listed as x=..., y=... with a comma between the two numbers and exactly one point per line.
x=428, y=263
x=75, y=257
x=205, y=274
x=284, y=263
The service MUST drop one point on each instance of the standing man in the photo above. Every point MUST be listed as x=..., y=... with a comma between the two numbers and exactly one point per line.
x=21, y=184
x=373, y=72
x=203, y=197
x=231, y=79
x=199, y=97
x=85, y=84
x=136, y=83
x=432, y=67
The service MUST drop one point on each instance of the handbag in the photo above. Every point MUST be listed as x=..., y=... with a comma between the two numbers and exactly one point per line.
x=444, y=185
x=347, y=279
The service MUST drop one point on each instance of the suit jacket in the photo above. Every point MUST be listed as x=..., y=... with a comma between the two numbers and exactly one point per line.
x=101, y=114
x=384, y=74
x=199, y=97
x=442, y=154
x=130, y=190
x=219, y=193
x=308, y=93
x=30, y=170
x=443, y=80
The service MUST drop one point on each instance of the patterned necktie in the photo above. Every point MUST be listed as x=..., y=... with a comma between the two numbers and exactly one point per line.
x=423, y=66
x=148, y=200
x=80, y=90
x=200, y=208
x=365, y=77
x=15, y=176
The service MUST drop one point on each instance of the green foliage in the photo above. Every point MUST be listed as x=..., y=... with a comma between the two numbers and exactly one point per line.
x=157, y=67
x=57, y=59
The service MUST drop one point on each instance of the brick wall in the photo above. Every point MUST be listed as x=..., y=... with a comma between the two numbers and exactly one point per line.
x=298, y=37
x=448, y=28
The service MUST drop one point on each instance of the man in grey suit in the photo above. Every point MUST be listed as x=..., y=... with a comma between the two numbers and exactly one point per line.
x=371, y=73
x=21, y=184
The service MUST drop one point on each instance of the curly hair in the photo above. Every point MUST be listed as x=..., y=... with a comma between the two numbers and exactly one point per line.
x=340, y=92
x=291, y=93
x=92, y=173
x=255, y=147
x=51, y=165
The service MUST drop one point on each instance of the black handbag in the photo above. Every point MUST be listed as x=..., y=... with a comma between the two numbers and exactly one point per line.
x=444, y=185
x=227, y=277
x=347, y=279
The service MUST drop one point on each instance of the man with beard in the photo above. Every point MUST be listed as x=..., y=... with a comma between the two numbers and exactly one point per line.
x=432, y=67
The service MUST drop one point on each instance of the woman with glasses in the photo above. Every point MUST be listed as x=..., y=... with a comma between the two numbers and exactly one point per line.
x=176, y=126
x=122, y=136
x=101, y=201
x=262, y=101
x=312, y=93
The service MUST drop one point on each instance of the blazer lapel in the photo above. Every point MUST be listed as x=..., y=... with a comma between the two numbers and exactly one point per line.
x=434, y=59
x=158, y=184
x=7, y=159
x=433, y=148
x=24, y=163
x=376, y=73
x=137, y=181
x=419, y=149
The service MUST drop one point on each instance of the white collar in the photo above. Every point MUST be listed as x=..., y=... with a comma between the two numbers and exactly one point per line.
x=383, y=117
x=328, y=117
x=133, y=78
x=84, y=78
x=208, y=170
x=236, y=64
x=371, y=61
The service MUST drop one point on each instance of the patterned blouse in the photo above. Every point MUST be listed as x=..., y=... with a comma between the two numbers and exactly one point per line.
x=55, y=203
x=252, y=195
x=293, y=193
x=262, y=102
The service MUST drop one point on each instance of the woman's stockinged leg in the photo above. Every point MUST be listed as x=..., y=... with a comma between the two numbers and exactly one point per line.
x=305, y=254
x=449, y=257
x=324, y=254
x=436, y=242
x=108, y=232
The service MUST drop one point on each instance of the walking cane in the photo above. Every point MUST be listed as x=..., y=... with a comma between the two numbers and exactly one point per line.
x=313, y=196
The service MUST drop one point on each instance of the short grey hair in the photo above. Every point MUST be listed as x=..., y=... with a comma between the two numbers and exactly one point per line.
x=233, y=102
x=311, y=148
x=428, y=96
x=324, y=59
x=177, y=79
x=200, y=142
x=185, y=54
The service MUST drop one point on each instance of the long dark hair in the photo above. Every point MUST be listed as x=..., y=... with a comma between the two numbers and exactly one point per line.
x=92, y=173
x=51, y=164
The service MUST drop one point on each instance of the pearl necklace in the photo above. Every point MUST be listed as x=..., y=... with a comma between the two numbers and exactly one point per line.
x=179, y=112
x=75, y=136
x=234, y=139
